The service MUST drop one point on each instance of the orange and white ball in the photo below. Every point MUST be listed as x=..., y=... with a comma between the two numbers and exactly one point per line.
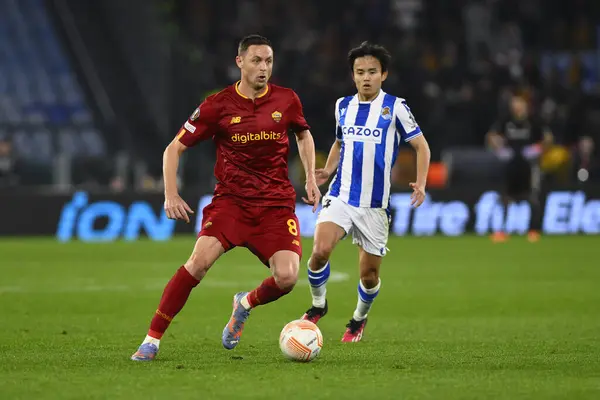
x=301, y=340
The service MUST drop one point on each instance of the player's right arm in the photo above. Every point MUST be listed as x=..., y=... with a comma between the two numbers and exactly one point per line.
x=494, y=138
x=333, y=159
x=175, y=206
x=201, y=125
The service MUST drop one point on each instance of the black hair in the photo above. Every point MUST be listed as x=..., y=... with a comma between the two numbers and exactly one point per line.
x=251, y=40
x=368, y=49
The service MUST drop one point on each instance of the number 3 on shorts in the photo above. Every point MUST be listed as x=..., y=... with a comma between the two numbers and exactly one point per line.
x=292, y=227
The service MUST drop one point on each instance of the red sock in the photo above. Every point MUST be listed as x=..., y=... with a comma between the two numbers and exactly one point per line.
x=267, y=292
x=172, y=301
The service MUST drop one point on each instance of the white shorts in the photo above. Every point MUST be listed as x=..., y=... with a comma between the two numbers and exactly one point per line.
x=369, y=226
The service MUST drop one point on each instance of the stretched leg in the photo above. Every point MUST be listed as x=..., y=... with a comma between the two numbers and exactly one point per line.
x=206, y=251
x=533, y=197
x=500, y=235
x=332, y=225
x=327, y=236
x=284, y=268
x=515, y=179
x=277, y=244
x=536, y=218
x=368, y=289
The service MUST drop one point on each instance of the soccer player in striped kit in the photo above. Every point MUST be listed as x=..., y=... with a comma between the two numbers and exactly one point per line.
x=369, y=128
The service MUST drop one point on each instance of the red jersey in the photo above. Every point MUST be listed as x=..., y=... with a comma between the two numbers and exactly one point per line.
x=252, y=142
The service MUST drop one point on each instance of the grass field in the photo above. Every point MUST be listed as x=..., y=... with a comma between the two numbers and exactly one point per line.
x=457, y=318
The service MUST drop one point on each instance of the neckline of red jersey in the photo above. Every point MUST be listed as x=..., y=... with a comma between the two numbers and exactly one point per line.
x=237, y=90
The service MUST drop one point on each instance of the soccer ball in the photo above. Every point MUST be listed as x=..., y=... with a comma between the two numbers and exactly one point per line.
x=301, y=340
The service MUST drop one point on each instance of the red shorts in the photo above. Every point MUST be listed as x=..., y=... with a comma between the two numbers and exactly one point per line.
x=262, y=230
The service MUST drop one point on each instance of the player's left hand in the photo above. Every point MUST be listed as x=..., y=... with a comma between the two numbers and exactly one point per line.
x=313, y=194
x=418, y=195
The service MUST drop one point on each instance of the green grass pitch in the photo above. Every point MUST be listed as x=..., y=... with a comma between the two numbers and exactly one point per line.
x=457, y=318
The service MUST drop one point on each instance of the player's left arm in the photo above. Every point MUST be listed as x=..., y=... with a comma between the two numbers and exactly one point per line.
x=419, y=143
x=543, y=140
x=306, y=148
x=411, y=132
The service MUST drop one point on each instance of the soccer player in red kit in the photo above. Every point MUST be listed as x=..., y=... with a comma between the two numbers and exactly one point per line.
x=254, y=200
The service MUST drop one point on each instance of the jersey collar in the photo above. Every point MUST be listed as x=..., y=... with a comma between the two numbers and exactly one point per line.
x=381, y=93
x=237, y=90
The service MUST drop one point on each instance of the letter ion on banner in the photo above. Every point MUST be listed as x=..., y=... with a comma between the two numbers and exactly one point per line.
x=565, y=212
x=82, y=219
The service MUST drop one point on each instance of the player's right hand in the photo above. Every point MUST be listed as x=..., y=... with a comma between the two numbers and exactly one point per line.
x=321, y=176
x=496, y=141
x=176, y=208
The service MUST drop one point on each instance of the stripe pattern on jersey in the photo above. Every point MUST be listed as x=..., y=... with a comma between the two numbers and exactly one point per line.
x=370, y=134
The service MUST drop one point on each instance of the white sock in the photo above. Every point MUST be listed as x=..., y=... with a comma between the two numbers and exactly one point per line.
x=245, y=303
x=150, y=339
x=365, y=300
x=318, y=284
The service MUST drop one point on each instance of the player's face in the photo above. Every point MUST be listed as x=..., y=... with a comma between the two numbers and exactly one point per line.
x=367, y=76
x=256, y=65
x=519, y=107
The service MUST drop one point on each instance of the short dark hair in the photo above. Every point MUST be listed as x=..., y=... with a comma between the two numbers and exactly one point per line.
x=252, y=40
x=369, y=49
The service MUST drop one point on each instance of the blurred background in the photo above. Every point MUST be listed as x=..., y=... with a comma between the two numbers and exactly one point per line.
x=92, y=91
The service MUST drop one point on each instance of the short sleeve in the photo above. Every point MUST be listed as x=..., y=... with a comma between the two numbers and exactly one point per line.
x=406, y=124
x=201, y=125
x=297, y=121
x=339, y=136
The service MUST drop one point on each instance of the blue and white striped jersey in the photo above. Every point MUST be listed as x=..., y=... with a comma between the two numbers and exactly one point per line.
x=370, y=133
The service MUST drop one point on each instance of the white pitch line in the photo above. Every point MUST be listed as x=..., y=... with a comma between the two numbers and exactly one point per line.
x=333, y=278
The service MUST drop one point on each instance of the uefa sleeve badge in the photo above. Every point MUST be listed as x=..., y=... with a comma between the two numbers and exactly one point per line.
x=195, y=114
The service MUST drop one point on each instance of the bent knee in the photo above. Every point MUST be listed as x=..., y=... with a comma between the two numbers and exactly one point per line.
x=198, y=264
x=322, y=251
x=370, y=277
x=206, y=251
x=286, y=280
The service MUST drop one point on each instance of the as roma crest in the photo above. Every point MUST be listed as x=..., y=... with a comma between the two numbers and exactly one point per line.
x=276, y=116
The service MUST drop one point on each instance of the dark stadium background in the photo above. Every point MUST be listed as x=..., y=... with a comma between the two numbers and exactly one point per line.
x=91, y=91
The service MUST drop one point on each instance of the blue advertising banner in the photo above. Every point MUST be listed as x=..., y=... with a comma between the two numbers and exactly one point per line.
x=96, y=217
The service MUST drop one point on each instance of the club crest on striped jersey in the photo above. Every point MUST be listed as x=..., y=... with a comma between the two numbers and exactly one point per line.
x=386, y=113
x=195, y=114
x=276, y=116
